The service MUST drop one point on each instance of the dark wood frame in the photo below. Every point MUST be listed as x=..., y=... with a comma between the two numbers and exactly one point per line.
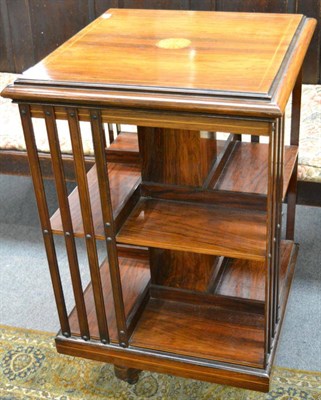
x=171, y=225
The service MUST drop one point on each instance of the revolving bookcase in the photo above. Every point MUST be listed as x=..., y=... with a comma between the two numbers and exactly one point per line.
x=195, y=275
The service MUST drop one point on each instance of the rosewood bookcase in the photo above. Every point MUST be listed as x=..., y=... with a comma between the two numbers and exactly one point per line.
x=196, y=273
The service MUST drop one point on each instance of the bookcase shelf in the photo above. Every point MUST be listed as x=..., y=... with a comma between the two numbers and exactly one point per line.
x=135, y=278
x=124, y=179
x=196, y=273
x=247, y=168
x=199, y=228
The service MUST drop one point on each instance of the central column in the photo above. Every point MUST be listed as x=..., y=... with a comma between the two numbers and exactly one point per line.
x=176, y=158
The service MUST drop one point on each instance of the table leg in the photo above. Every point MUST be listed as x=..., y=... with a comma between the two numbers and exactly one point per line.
x=129, y=375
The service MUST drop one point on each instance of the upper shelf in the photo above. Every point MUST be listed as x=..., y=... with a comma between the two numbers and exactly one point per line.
x=124, y=149
x=197, y=228
x=246, y=169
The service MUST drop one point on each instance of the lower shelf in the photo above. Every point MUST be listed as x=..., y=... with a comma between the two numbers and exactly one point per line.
x=202, y=331
x=223, y=333
x=135, y=277
x=220, y=339
x=246, y=279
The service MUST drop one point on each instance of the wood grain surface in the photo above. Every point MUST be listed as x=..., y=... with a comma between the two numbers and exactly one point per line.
x=227, y=44
x=247, y=168
x=246, y=279
x=124, y=179
x=224, y=65
x=215, y=333
x=135, y=276
x=197, y=228
x=176, y=157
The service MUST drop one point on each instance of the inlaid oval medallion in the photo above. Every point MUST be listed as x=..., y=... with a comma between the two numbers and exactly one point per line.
x=173, y=43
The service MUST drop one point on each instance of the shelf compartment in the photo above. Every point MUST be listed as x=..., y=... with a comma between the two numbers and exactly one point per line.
x=227, y=326
x=124, y=179
x=124, y=149
x=202, y=331
x=246, y=279
x=246, y=168
x=196, y=228
x=135, y=278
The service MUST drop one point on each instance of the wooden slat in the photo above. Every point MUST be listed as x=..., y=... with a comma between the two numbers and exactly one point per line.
x=135, y=277
x=197, y=228
x=44, y=217
x=108, y=222
x=123, y=179
x=62, y=194
x=86, y=212
x=220, y=162
x=295, y=137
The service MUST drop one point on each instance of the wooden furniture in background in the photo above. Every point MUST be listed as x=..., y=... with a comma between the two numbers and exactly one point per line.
x=31, y=29
x=196, y=275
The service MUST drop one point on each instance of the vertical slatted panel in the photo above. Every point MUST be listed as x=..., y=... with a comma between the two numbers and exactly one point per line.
x=110, y=234
x=62, y=195
x=273, y=239
x=295, y=135
x=205, y=5
x=21, y=35
x=279, y=220
x=269, y=279
x=6, y=45
x=274, y=227
x=44, y=217
x=86, y=214
x=277, y=190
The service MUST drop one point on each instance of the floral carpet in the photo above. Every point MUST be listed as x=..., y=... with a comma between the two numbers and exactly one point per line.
x=30, y=368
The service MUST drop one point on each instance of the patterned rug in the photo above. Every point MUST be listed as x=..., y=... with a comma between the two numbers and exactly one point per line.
x=30, y=368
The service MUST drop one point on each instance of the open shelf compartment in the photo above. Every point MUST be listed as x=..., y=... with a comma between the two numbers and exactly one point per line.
x=222, y=332
x=198, y=228
x=246, y=168
x=135, y=279
x=124, y=179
